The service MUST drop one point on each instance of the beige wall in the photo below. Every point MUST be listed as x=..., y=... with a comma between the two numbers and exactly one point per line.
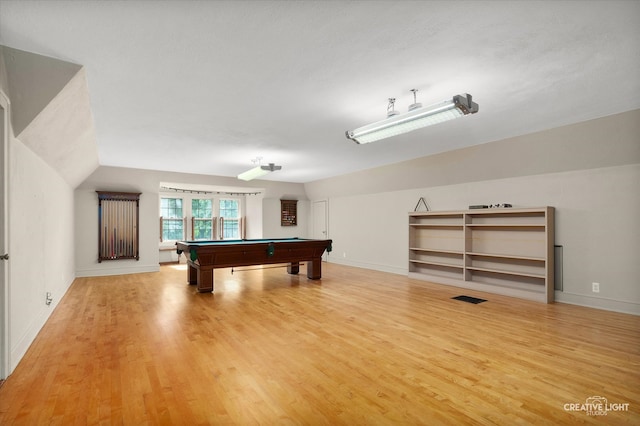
x=41, y=227
x=23, y=69
x=604, y=142
x=40, y=244
x=51, y=112
x=589, y=171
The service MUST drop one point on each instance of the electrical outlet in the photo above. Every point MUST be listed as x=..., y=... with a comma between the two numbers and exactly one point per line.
x=595, y=287
x=49, y=299
x=344, y=254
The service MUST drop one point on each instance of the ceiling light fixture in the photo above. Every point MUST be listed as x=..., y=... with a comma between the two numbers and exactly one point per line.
x=416, y=118
x=258, y=171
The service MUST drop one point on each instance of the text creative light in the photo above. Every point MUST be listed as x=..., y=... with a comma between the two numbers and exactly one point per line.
x=416, y=118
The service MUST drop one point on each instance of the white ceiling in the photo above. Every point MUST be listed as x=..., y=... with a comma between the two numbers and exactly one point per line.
x=207, y=86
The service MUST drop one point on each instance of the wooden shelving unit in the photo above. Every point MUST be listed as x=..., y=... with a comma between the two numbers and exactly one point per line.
x=505, y=251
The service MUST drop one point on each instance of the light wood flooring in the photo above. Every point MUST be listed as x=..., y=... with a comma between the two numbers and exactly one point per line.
x=356, y=348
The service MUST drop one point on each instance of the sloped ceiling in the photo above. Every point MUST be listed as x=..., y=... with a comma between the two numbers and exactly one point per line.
x=51, y=112
x=206, y=86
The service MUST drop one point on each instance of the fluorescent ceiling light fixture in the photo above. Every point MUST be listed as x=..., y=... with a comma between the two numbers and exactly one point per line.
x=258, y=171
x=416, y=118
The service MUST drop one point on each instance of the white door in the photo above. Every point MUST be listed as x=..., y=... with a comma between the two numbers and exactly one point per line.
x=4, y=236
x=320, y=225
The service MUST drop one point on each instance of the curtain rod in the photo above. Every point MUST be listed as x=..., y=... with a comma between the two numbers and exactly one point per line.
x=193, y=191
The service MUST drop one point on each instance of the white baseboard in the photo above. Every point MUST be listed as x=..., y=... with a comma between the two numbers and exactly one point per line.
x=23, y=343
x=121, y=270
x=598, y=303
x=374, y=266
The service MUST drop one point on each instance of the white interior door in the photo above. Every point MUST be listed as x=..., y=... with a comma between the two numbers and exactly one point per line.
x=4, y=237
x=320, y=223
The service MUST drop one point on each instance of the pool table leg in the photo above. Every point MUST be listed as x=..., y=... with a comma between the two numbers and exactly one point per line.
x=192, y=275
x=314, y=269
x=293, y=268
x=203, y=278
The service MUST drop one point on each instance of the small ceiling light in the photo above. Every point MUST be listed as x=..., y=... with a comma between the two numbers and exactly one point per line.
x=416, y=118
x=258, y=171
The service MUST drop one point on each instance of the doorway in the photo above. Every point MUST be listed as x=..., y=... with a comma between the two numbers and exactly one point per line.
x=320, y=223
x=4, y=237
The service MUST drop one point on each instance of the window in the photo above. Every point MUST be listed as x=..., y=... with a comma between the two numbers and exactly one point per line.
x=194, y=216
x=229, y=219
x=171, y=219
x=202, y=219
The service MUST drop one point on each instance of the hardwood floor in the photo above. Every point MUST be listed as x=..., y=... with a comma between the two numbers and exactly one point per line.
x=357, y=347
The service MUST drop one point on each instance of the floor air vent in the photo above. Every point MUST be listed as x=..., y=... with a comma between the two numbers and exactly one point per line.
x=469, y=299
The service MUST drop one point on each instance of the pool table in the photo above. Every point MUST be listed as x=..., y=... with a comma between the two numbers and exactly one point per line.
x=204, y=256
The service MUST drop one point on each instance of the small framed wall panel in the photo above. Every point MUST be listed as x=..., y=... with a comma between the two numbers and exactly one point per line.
x=288, y=212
